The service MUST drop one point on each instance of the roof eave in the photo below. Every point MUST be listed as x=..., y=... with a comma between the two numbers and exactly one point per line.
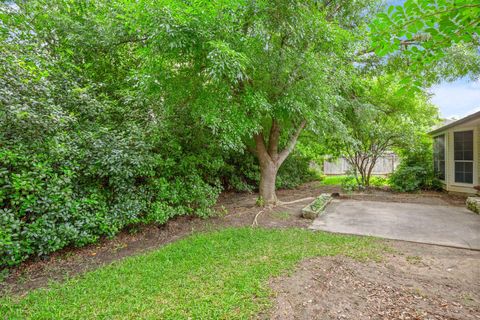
x=473, y=116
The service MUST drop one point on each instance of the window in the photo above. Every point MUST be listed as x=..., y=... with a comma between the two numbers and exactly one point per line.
x=439, y=156
x=463, y=156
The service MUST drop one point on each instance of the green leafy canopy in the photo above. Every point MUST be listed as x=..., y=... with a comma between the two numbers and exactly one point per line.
x=439, y=39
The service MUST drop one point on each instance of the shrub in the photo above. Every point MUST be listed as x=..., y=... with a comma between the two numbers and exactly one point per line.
x=47, y=205
x=413, y=178
x=72, y=170
x=407, y=178
x=415, y=171
x=349, y=183
x=379, y=182
x=241, y=172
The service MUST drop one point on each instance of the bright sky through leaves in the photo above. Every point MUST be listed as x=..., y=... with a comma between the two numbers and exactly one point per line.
x=454, y=99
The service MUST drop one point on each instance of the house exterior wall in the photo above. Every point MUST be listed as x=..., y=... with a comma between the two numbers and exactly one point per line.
x=449, y=183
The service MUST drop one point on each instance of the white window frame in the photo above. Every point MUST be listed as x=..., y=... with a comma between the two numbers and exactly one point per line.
x=474, y=161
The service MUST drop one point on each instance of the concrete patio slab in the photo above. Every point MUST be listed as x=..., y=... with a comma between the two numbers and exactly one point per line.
x=432, y=224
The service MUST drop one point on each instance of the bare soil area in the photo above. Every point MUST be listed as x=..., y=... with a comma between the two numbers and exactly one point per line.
x=416, y=282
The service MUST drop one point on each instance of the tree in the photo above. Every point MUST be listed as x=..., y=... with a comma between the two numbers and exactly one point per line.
x=255, y=72
x=114, y=113
x=377, y=117
x=437, y=39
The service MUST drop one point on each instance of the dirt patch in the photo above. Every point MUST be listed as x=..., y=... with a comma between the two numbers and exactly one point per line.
x=416, y=282
x=234, y=210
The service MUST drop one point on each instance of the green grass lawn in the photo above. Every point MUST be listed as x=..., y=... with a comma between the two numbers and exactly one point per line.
x=375, y=181
x=217, y=275
x=332, y=180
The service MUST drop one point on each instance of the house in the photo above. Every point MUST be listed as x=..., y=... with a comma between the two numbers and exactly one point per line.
x=456, y=157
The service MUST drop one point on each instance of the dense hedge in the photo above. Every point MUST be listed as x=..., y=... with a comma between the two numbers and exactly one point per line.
x=68, y=176
x=71, y=194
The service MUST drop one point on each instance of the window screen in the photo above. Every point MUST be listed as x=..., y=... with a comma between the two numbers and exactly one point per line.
x=439, y=156
x=463, y=156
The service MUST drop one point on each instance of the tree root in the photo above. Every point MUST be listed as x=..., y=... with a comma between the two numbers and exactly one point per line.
x=255, y=222
x=281, y=203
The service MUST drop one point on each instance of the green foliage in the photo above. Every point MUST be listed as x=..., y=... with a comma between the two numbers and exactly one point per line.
x=114, y=113
x=47, y=206
x=249, y=61
x=431, y=39
x=242, y=172
x=379, y=182
x=332, y=180
x=409, y=178
x=375, y=117
x=350, y=183
x=415, y=171
x=295, y=171
x=251, y=70
x=76, y=162
x=101, y=129
x=426, y=28
x=217, y=275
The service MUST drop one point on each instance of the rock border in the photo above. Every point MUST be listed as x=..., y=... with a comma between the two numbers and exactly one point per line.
x=473, y=204
x=317, y=206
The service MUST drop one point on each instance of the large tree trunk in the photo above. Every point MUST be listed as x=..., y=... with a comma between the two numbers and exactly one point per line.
x=268, y=176
x=270, y=160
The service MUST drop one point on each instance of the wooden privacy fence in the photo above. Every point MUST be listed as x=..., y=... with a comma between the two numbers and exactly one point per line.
x=384, y=166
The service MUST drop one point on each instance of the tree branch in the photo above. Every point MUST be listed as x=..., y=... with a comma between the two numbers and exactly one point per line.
x=291, y=144
x=273, y=140
x=262, y=153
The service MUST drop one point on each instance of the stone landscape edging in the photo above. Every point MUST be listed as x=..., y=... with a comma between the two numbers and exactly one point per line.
x=317, y=206
x=473, y=204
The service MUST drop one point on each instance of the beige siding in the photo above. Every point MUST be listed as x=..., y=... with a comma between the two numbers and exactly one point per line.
x=478, y=156
x=450, y=184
